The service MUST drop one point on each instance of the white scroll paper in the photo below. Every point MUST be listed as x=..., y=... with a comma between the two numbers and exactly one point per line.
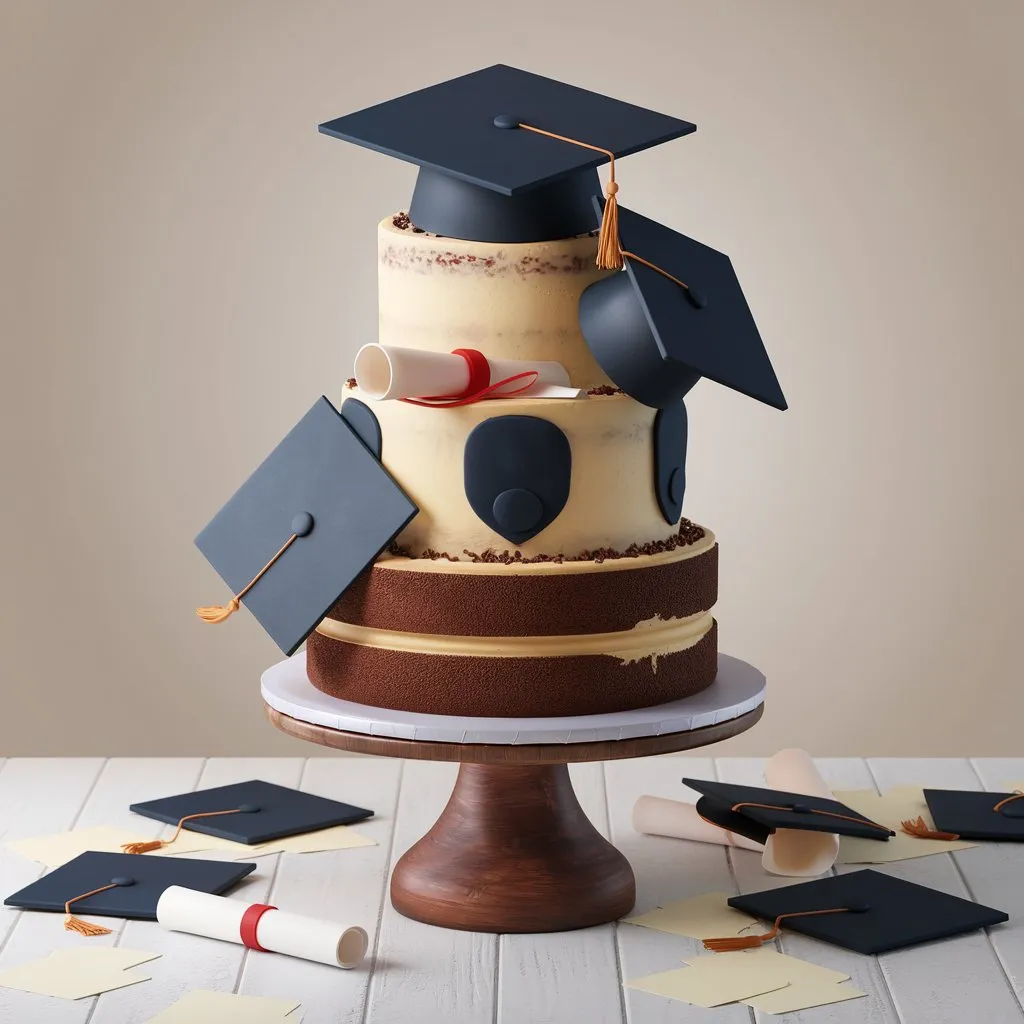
x=217, y=917
x=788, y=852
x=389, y=371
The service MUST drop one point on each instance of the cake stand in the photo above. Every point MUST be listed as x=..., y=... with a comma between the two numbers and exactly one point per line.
x=513, y=851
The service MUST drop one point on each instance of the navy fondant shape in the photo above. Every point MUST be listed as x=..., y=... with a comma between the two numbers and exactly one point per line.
x=517, y=471
x=360, y=417
x=670, y=429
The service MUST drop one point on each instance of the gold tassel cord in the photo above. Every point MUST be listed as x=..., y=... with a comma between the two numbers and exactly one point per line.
x=609, y=250
x=157, y=844
x=219, y=612
x=919, y=830
x=76, y=924
x=734, y=943
x=1017, y=795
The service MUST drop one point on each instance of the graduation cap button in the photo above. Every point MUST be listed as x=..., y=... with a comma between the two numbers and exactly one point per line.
x=122, y=880
x=302, y=524
x=505, y=121
x=247, y=808
x=801, y=809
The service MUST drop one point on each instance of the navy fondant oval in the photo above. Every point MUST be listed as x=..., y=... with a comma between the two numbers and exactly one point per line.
x=516, y=474
x=363, y=422
x=670, y=460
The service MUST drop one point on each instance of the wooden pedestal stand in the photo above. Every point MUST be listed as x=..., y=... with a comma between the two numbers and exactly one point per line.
x=513, y=850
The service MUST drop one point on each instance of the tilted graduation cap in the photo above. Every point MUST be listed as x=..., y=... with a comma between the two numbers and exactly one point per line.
x=121, y=885
x=321, y=508
x=247, y=812
x=675, y=314
x=967, y=814
x=484, y=175
x=866, y=911
x=756, y=813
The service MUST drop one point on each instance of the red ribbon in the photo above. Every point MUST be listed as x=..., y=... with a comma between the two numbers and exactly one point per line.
x=247, y=926
x=479, y=385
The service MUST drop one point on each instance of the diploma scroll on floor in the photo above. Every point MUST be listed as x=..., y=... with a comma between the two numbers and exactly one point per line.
x=258, y=927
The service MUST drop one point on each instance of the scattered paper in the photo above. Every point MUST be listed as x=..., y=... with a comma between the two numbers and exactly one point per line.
x=201, y=1007
x=896, y=805
x=703, y=917
x=789, y=970
x=712, y=981
x=340, y=837
x=803, y=996
x=58, y=849
x=78, y=972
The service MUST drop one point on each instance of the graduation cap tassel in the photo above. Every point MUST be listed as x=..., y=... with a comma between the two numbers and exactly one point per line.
x=76, y=924
x=157, y=844
x=733, y=943
x=919, y=830
x=609, y=248
x=219, y=612
x=1017, y=795
x=816, y=810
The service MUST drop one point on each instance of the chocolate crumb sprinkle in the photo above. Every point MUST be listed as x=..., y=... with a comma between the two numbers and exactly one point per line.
x=605, y=389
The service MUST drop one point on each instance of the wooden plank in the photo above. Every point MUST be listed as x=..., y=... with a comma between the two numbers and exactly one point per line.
x=424, y=974
x=961, y=978
x=37, y=796
x=666, y=869
x=340, y=885
x=865, y=972
x=564, y=976
x=118, y=784
x=188, y=961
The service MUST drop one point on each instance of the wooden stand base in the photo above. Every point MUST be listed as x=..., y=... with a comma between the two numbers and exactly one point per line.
x=513, y=852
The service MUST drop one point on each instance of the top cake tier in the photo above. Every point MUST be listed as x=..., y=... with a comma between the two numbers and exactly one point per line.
x=508, y=300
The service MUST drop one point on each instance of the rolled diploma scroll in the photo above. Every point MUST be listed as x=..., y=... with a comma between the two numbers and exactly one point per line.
x=791, y=851
x=389, y=371
x=217, y=917
x=787, y=852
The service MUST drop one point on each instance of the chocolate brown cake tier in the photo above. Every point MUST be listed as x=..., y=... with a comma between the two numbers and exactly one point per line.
x=523, y=640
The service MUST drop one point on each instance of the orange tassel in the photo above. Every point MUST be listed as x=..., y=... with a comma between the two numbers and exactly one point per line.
x=76, y=924
x=919, y=830
x=218, y=612
x=737, y=942
x=1016, y=795
x=609, y=249
x=146, y=847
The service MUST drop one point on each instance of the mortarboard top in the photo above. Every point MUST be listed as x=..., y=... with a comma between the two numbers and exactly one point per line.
x=260, y=811
x=656, y=339
x=874, y=912
x=481, y=177
x=765, y=810
x=140, y=883
x=323, y=486
x=973, y=815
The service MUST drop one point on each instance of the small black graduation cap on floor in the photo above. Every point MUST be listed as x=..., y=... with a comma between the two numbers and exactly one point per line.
x=866, y=911
x=120, y=885
x=321, y=508
x=962, y=814
x=756, y=813
x=676, y=314
x=246, y=812
x=505, y=155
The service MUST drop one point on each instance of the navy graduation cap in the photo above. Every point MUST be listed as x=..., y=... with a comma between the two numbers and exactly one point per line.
x=866, y=911
x=676, y=314
x=967, y=814
x=315, y=513
x=483, y=174
x=121, y=885
x=250, y=812
x=756, y=813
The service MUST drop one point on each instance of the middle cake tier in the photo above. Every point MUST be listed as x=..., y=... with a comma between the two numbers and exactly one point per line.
x=524, y=640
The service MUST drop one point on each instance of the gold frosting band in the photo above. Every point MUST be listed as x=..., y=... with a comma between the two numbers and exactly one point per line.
x=645, y=640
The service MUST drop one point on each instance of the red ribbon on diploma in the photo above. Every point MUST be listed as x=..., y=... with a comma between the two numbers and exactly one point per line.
x=479, y=385
x=247, y=926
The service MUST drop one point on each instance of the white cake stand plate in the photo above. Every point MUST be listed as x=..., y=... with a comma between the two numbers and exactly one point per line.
x=738, y=689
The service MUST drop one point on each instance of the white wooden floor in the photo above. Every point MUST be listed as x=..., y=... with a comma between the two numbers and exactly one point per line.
x=429, y=975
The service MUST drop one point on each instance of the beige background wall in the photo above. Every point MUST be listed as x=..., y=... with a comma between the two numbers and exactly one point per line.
x=187, y=264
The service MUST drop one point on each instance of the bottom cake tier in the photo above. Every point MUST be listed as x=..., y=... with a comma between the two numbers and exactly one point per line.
x=509, y=638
